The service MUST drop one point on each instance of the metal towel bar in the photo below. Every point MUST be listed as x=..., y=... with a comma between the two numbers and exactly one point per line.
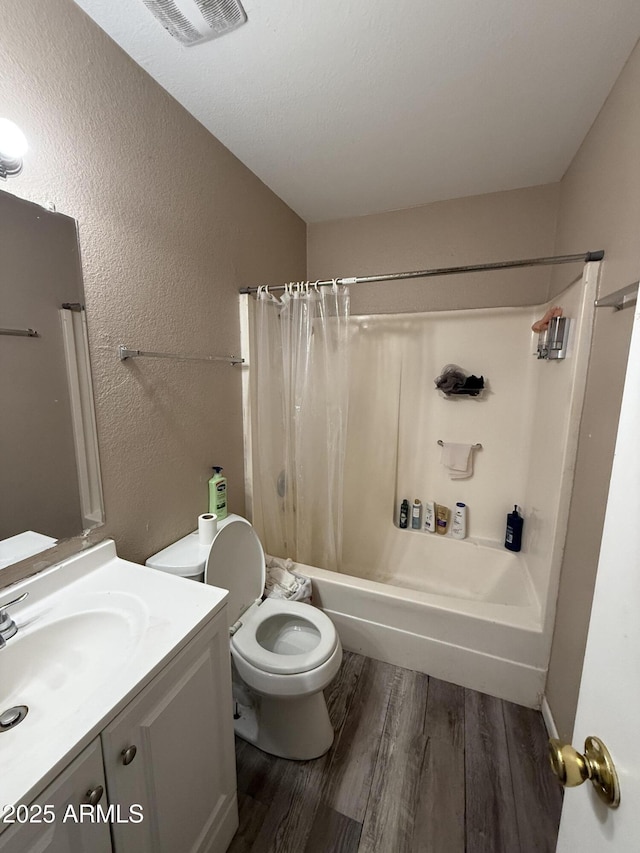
x=23, y=333
x=124, y=353
x=473, y=446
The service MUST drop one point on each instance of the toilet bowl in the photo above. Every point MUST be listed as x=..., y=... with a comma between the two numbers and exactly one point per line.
x=284, y=653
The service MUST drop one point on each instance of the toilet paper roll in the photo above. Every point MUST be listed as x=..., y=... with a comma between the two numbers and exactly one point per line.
x=207, y=528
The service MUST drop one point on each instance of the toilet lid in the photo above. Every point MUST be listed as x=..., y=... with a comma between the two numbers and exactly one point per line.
x=236, y=562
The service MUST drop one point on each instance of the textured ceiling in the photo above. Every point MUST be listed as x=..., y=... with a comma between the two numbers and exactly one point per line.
x=349, y=107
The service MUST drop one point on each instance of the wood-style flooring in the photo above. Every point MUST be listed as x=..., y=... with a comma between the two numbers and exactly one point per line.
x=417, y=765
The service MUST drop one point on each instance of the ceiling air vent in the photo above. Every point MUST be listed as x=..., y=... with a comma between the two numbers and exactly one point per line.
x=194, y=21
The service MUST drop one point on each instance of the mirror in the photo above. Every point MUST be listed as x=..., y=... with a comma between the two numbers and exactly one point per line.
x=49, y=464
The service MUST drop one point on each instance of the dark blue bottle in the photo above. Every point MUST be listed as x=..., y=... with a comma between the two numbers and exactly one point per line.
x=513, y=537
x=404, y=514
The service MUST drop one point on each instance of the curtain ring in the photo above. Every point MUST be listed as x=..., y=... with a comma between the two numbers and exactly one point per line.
x=334, y=285
x=315, y=284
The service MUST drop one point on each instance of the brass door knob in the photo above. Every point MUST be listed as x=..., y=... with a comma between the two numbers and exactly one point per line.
x=596, y=764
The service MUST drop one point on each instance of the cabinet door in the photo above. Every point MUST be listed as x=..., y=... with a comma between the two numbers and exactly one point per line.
x=62, y=819
x=176, y=738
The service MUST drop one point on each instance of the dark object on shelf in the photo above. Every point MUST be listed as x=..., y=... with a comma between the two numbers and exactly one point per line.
x=453, y=381
x=404, y=514
x=513, y=535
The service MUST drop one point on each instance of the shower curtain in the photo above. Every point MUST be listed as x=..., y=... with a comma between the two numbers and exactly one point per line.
x=300, y=420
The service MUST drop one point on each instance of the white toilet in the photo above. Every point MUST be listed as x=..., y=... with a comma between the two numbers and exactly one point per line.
x=284, y=653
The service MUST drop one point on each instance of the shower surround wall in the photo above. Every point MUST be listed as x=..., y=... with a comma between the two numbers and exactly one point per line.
x=466, y=611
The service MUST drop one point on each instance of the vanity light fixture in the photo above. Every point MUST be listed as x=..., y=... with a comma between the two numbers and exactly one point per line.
x=13, y=147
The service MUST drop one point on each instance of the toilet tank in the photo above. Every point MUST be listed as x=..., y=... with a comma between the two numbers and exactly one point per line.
x=186, y=558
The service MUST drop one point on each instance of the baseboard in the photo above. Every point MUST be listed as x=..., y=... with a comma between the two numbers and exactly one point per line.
x=547, y=716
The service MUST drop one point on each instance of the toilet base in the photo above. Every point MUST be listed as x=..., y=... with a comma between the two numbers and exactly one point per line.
x=297, y=729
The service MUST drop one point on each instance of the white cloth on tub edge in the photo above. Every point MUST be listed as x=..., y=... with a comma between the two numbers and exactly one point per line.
x=283, y=582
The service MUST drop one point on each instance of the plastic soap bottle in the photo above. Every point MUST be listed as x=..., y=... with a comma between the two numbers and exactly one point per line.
x=404, y=514
x=513, y=536
x=218, y=493
x=416, y=514
x=459, y=525
x=430, y=517
x=442, y=519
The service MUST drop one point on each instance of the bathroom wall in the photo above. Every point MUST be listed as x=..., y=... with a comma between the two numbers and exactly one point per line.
x=473, y=230
x=171, y=224
x=600, y=207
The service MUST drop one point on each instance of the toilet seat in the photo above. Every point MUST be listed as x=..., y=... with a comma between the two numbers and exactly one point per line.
x=269, y=633
x=288, y=618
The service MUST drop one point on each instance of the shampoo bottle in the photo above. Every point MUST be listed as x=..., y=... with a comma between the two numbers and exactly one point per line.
x=404, y=514
x=513, y=536
x=459, y=524
x=442, y=519
x=218, y=493
x=416, y=514
x=430, y=517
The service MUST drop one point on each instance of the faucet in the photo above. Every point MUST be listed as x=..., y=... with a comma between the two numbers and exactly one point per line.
x=7, y=626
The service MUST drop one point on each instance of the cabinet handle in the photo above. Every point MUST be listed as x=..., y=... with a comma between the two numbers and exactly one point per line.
x=94, y=795
x=128, y=755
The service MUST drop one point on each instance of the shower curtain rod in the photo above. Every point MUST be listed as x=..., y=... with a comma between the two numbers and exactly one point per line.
x=585, y=257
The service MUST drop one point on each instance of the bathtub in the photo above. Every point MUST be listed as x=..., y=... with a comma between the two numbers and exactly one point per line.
x=468, y=611
x=463, y=611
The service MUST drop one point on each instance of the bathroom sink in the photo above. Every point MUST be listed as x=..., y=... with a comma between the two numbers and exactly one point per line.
x=73, y=654
x=92, y=632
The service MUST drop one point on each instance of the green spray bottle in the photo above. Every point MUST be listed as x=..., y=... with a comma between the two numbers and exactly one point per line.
x=218, y=493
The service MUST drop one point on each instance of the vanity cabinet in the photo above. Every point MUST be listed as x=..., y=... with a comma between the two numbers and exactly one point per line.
x=52, y=824
x=166, y=764
x=171, y=752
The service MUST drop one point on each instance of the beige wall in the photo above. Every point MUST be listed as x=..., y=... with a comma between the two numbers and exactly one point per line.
x=599, y=207
x=474, y=230
x=171, y=225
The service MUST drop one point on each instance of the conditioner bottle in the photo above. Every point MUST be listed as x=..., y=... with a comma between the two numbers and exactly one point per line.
x=430, y=517
x=442, y=519
x=459, y=525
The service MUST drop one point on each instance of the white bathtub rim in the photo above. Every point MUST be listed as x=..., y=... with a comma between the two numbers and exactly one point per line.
x=523, y=617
